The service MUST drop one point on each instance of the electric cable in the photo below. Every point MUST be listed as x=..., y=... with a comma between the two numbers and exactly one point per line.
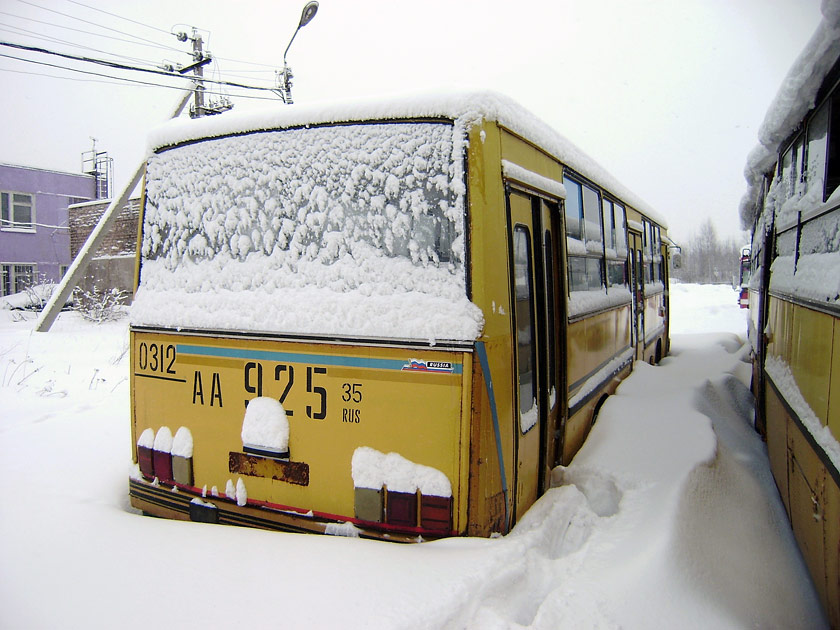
x=123, y=80
x=17, y=30
x=121, y=66
x=78, y=30
x=73, y=17
x=87, y=6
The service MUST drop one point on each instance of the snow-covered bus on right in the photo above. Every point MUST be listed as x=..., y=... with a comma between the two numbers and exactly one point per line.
x=792, y=207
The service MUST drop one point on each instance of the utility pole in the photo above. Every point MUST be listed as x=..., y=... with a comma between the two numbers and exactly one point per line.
x=197, y=110
x=200, y=59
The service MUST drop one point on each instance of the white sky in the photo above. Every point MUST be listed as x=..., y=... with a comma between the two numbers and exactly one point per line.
x=668, y=95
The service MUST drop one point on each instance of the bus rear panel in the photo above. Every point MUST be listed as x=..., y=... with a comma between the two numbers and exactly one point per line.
x=346, y=409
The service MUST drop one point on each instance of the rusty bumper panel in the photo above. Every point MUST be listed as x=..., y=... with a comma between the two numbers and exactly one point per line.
x=280, y=470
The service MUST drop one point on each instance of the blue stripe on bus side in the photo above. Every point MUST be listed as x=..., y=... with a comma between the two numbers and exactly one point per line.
x=488, y=383
x=295, y=357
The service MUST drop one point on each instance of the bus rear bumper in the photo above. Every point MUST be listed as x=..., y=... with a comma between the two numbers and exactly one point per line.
x=187, y=504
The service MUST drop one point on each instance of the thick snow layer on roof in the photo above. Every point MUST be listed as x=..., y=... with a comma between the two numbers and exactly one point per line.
x=796, y=96
x=468, y=107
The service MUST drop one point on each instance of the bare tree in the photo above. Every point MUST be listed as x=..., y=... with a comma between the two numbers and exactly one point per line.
x=707, y=260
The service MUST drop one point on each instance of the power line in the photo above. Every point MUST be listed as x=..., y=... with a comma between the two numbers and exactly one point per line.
x=146, y=83
x=123, y=79
x=270, y=67
x=121, y=66
x=114, y=80
x=16, y=30
x=87, y=6
x=89, y=72
x=103, y=62
x=73, y=17
x=78, y=30
x=248, y=63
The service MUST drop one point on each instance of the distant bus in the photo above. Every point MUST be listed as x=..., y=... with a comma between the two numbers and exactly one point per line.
x=389, y=319
x=793, y=207
x=744, y=269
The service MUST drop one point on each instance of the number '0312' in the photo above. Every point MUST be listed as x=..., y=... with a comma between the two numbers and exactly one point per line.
x=156, y=357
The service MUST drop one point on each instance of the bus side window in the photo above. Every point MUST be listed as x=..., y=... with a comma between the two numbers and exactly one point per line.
x=574, y=209
x=817, y=136
x=577, y=274
x=592, y=223
x=832, y=178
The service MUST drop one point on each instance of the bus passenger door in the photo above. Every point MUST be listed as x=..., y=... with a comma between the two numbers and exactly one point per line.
x=533, y=256
x=555, y=339
x=637, y=266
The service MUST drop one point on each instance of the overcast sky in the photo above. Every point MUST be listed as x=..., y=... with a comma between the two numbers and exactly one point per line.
x=666, y=94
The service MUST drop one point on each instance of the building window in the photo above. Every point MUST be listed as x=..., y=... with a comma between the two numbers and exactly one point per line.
x=16, y=278
x=17, y=210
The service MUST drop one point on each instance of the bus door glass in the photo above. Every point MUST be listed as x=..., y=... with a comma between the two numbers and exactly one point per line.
x=528, y=428
x=555, y=371
x=638, y=264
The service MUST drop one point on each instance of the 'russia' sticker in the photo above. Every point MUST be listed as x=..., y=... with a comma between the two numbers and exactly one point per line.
x=418, y=365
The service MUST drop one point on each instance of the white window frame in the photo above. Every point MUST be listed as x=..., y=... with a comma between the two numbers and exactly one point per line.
x=12, y=277
x=8, y=203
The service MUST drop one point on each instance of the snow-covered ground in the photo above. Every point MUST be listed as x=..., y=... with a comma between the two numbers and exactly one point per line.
x=667, y=518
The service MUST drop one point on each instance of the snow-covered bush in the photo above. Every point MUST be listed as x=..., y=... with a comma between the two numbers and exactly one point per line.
x=99, y=306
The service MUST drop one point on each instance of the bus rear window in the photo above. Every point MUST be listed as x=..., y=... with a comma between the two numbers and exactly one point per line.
x=309, y=231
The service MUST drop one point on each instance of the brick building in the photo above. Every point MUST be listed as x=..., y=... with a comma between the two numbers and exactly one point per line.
x=34, y=228
x=112, y=265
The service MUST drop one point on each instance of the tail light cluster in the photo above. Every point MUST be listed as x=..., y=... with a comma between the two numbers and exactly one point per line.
x=167, y=459
x=744, y=298
x=393, y=490
x=404, y=509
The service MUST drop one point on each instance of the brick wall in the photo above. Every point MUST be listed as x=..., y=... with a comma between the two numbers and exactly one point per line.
x=121, y=240
x=112, y=265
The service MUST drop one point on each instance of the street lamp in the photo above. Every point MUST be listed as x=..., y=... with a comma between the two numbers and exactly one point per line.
x=284, y=78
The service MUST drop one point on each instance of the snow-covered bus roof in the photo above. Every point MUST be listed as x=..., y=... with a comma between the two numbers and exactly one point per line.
x=468, y=107
x=795, y=98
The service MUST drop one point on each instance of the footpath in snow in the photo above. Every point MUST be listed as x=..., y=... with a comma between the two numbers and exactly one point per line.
x=667, y=518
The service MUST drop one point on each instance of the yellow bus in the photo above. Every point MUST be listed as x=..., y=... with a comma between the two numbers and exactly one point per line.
x=793, y=208
x=387, y=319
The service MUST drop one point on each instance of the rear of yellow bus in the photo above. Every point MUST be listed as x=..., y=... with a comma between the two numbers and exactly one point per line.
x=301, y=333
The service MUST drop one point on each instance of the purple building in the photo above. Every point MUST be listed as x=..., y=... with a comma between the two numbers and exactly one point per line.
x=34, y=227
